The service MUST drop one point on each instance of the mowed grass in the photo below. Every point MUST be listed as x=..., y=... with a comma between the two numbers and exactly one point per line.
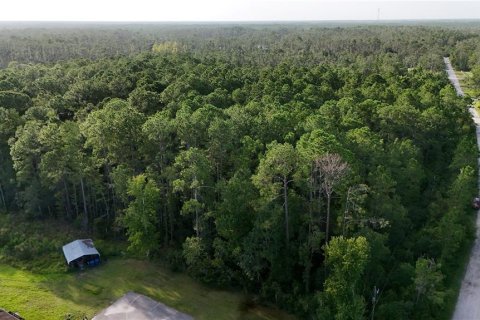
x=57, y=295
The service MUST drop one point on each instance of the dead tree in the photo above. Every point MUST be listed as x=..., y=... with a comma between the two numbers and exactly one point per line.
x=331, y=169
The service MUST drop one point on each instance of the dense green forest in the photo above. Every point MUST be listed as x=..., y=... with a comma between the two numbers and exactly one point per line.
x=328, y=170
x=246, y=44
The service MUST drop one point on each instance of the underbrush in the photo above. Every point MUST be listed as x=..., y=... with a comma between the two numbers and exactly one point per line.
x=467, y=84
x=37, y=245
x=454, y=281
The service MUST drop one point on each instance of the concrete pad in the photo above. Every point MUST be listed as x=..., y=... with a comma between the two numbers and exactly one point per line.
x=134, y=306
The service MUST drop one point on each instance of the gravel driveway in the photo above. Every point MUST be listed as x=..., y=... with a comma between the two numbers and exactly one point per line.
x=468, y=303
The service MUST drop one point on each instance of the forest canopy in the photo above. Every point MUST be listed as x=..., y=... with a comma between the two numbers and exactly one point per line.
x=306, y=165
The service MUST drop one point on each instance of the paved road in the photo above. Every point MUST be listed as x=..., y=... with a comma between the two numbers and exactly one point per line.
x=468, y=303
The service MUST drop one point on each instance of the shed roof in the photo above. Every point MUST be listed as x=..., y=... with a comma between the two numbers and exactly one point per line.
x=134, y=306
x=4, y=315
x=79, y=248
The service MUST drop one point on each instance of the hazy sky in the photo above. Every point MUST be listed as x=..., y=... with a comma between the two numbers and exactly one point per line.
x=233, y=10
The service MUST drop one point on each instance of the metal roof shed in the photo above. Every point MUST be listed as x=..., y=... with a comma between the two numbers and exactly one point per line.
x=80, y=252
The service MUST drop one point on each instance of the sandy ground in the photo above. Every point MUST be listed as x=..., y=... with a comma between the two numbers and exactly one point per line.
x=468, y=303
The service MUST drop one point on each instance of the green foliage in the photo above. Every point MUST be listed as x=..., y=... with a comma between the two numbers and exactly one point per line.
x=476, y=76
x=114, y=133
x=212, y=155
x=428, y=284
x=141, y=215
x=23, y=244
x=15, y=100
x=346, y=258
x=276, y=168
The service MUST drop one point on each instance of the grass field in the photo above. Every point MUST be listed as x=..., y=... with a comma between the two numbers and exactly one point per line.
x=35, y=283
x=72, y=295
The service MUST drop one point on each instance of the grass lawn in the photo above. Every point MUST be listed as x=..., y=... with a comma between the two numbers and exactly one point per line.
x=56, y=295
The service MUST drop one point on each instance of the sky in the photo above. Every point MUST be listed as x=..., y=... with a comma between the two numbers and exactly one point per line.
x=234, y=10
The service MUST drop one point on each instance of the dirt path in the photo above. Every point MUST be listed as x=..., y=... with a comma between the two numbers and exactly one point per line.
x=468, y=303
x=453, y=77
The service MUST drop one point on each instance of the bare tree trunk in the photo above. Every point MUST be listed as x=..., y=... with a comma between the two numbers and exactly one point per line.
x=85, y=211
x=308, y=264
x=196, y=212
x=2, y=195
x=166, y=216
x=375, y=298
x=75, y=200
x=285, y=196
x=67, y=200
x=347, y=208
x=327, y=228
x=111, y=191
x=171, y=215
x=95, y=205
x=171, y=225
x=107, y=212
x=310, y=215
x=332, y=170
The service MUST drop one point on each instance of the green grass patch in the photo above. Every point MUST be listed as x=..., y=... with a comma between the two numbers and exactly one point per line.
x=476, y=104
x=35, y=282
x=78, y=294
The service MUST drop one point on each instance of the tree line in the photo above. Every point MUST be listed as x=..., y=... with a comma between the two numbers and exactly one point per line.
x=254, y=44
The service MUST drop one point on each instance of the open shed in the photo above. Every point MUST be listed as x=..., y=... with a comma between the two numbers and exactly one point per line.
x=134, y=306
x=80, y=253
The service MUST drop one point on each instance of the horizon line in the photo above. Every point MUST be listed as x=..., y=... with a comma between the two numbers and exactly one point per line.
x=241, y=21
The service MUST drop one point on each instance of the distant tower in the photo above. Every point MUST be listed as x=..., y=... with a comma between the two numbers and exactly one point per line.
x=378, y=14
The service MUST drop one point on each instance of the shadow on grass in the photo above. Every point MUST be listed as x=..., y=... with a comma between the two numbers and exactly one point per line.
x=98, y=287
